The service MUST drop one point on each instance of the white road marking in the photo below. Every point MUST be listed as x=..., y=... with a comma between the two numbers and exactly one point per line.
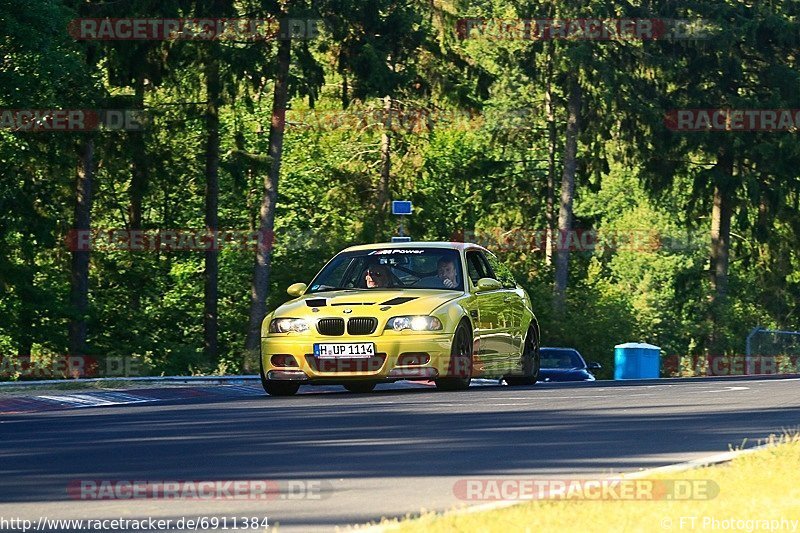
x=243, y=389
x=548, y=397
x=96, y=399
x=726, y=389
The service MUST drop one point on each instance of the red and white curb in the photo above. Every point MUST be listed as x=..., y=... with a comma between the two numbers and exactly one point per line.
x=94, y=399
x=55, y=401
x=201, y=387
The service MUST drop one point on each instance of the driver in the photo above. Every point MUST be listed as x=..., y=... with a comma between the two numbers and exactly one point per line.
x=376, y=276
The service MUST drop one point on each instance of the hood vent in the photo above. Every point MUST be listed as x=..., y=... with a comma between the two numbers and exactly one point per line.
x=316, y=302
x=399, y=300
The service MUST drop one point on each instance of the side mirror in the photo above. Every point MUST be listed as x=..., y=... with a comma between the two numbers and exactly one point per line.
x=297, y=289
x=594, y=366
x=488, y=284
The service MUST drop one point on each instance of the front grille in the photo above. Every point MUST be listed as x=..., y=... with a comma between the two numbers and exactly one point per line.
x=330, y=326
x=361, y=325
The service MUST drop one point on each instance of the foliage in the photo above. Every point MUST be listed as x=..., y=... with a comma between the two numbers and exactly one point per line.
x=469, y=148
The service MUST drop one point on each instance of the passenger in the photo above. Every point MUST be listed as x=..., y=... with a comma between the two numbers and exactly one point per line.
x=446, y=272
x=446, y=276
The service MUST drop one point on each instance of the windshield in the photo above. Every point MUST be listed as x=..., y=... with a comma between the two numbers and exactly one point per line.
x=561, y=359
x=392, y=268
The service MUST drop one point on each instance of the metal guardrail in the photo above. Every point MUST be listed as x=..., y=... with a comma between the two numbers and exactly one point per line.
x=194, y=380
x=215, y=380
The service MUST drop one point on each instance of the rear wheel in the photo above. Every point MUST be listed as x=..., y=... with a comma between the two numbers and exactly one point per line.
x=530, y=361
x=277, y=388
x=460, y=371
x=361, y=386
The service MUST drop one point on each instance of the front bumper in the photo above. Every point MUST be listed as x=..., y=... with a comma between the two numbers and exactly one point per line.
x=381, y=367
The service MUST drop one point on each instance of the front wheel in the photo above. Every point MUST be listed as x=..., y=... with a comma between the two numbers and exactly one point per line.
x=460, y=371
x=530, y=362
x=281, y=388
x=361, y=386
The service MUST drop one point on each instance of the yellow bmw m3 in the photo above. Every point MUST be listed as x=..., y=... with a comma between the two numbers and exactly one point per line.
x=379, y=313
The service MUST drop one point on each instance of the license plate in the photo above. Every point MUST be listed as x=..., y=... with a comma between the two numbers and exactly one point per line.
x=355, y=350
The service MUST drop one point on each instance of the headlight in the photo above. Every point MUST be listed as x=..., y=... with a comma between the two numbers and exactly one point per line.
x=415, y=323
x=286, y=325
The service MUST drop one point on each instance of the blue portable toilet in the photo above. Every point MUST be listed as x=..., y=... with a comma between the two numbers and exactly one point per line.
x=637, y=360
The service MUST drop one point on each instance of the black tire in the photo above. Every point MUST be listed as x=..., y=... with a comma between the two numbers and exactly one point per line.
x=362, y=387
x=460, y=371
x=281, y=388
x=277, y=388
x=530, y=361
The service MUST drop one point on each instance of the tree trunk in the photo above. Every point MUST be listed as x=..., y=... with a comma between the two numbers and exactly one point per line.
x=210, y=322
x=79, y=291
x=551, y=160
x=721, y=214
x=720, y=243
x=386, y=164
x=567, y=194
x=139, y=180
x=763, y=219
x=29, y=302
x=345, y=91
x=261, y=271
x=139, y=171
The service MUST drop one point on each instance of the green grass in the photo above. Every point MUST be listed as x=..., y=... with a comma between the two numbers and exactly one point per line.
x=762, y=485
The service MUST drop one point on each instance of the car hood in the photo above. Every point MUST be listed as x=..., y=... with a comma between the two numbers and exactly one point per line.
x=565, y=374
x=375, y=303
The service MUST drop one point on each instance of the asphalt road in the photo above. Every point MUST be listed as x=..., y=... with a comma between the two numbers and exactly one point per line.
x=388, y=453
